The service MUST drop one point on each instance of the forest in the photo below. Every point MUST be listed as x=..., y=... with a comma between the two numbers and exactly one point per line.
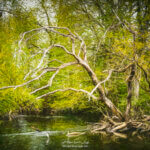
x=77, y=57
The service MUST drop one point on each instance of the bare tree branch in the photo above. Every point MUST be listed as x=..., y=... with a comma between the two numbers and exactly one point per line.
x=95, y=88
x=56, y=61
x=103, y=37
x=123, y=69
x=40, y=63
x=120, y=70
x=41, y=88
x=145, y=74
x=47, y=28
x=82, y=47
x=8, y=11
x=21, y=85
x=36, y=78
x=127, y=26
x=61, y=67
x=40, y=52
x=83, y=62
x=62, y=47
x=63, y=90
x=53, y=76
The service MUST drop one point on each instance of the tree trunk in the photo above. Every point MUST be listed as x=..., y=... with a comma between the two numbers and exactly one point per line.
x=129, y=83
x=100, y=89
x=136, y=88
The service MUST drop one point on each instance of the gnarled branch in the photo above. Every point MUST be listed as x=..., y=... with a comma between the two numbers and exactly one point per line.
x=108, y=77
x=26, y=83
x=53, y=76
x=40, y=63
x=63, y=90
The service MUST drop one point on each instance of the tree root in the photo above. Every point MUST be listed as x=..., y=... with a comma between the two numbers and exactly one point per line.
x=121, y=129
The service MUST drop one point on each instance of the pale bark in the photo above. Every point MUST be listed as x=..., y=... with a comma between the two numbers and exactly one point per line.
x=100, y=90
x=81, y=61
x=124, y=124
x=108, y=77
x=129, y=96
x=136, y=88
x=146, y=76
x=63, y=90
x=53, y=76
x=26, y=83
x=40, y=63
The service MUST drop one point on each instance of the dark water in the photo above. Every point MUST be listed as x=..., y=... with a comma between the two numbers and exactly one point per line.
x=21, y=135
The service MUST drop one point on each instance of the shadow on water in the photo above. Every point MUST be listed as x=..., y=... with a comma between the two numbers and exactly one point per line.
x=49, y=133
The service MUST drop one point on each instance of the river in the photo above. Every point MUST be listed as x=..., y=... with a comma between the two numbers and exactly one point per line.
x=50, y=133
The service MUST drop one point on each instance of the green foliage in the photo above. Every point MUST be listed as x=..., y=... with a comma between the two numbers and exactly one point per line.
x=10, y=74
x=17, y=101
x=109, y=46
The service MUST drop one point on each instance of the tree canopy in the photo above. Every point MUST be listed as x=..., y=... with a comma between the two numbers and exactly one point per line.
x=79, y=55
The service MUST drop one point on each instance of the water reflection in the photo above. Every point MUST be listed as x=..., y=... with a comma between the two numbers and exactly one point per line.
x=19, y=135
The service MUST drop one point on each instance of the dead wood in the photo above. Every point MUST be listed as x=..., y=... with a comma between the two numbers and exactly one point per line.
x=146, y=118
x=123, y=125
x=101, y=128
x=133, y=127
x=121, y=135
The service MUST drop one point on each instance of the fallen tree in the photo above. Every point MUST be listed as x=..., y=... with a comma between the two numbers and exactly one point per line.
x=80, y=60
x=80, y=57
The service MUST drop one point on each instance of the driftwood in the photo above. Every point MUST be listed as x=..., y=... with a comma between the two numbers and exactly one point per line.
x=121, y=135
x=123, y=125
x=109, y=128
x=101, y=128
x=74, y=134
x=121, y=129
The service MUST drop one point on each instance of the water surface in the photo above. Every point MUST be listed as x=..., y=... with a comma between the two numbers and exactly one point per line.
x=21, y=134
